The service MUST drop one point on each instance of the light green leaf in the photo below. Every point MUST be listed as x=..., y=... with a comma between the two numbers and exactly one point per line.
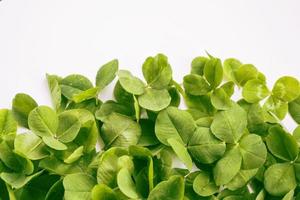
x=119, y=130
x=22, y=105
x=74, y=84
x=230, y=67
x=89, y=132
x=85, y=95
x=199, y=106
x=228, y=88
x=7, y=122
x=14, y=161
x=126, y=184
x=294, y=110
x=103, y=192
x=241, y=179
x=107, y=73
x=204, y=184
x=205, y=147
x=125, y=161
x=228, y=166
x=18, y=180
x=281, y=144
x=55, y=166
x=289, y=195
x=245, y=73
x=253, y=151
x=197, y=65
x=296, y=134
x=274, y=106
x=108, y=166
x=195, y=85
x=131, y=83
x=74, y=156
x=43, y=121
x=157, y=71
x=137, y=109
x=220, y=100
x=54, y=143
x=78, y=186
x=213, y=72
x=286, y=88
x=280, y=179
x=255, y=117
x=55, y=90
x=172, y=189
x=174, y=123
x=204, y=122
x=229, y=125
x=181, y=152
x=255, y=90
x=68, y=128
x=110, y=106
x=122, y=96
x=154, y=100
x=261, y=195
x=31, y=146
x=91, y=105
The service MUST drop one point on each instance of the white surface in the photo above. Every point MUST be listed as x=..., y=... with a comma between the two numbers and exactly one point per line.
x=72, y=36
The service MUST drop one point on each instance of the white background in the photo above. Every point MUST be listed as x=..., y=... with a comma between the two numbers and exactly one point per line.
x=72, y=36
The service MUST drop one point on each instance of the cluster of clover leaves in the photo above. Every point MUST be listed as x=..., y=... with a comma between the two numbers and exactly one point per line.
x=231, y=150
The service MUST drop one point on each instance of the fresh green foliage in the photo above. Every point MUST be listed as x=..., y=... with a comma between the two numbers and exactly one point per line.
x=22, y=105
x=124, y=148
x=107, y=74
x=157, y=71
x=229, y=125
x=255, y=90
x=149, y=99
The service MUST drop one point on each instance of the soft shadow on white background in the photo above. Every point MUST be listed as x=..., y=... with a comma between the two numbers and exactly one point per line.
x=72, y=36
